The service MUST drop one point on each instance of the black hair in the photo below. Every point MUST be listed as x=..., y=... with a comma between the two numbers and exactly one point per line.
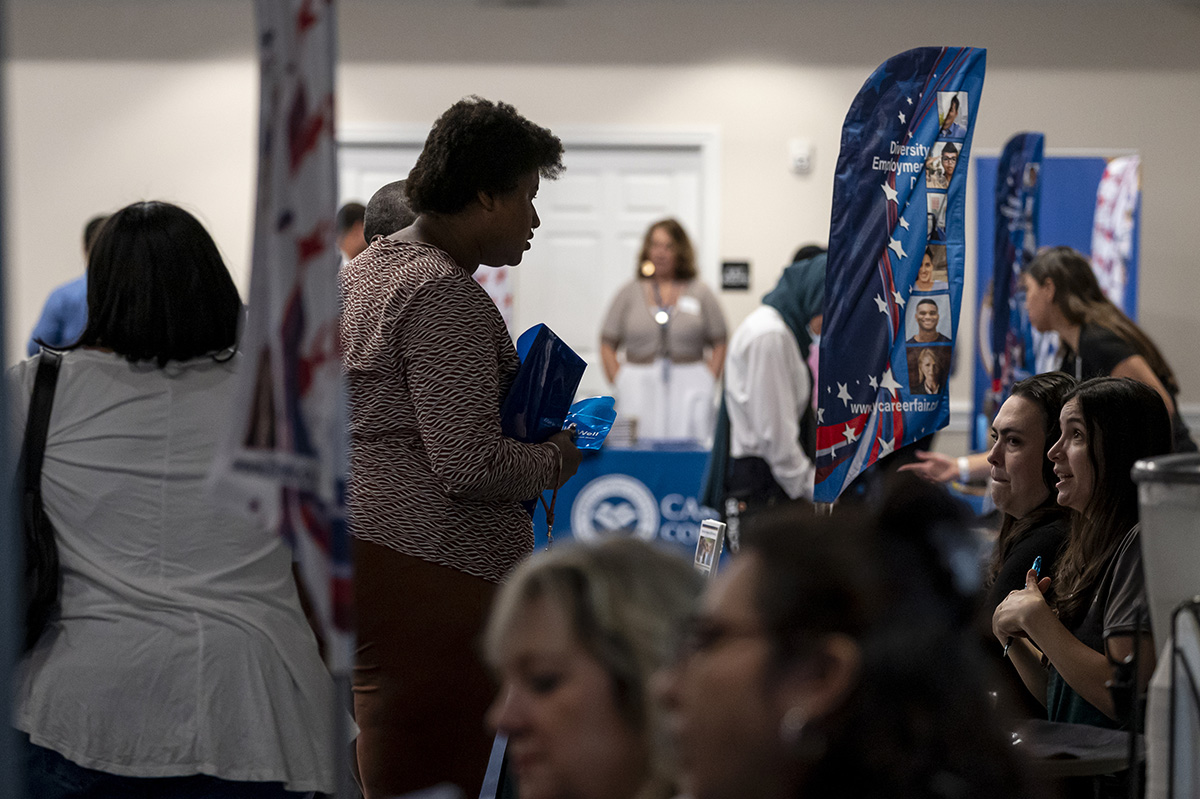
x=902, y=583
x=950, y=148
x=387, y=211
x=350, y=215
x=157, y=288
x=91, y=230
x=808, y=251
x=479, y=145
x=1125, y=421
x=927, y=301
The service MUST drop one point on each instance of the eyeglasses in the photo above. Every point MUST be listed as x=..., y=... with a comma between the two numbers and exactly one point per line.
x=702, y=635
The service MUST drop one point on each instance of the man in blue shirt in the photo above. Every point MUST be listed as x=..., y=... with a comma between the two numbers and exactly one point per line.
x=64, y=316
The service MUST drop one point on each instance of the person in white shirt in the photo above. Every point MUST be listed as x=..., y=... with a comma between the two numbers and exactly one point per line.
x=179, y=662
x=768, y=390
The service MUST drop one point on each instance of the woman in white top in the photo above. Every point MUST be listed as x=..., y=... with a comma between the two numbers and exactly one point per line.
x=672, y=331
x=179, y=662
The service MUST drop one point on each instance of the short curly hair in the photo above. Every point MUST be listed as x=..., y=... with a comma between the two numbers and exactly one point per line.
x=479, y=145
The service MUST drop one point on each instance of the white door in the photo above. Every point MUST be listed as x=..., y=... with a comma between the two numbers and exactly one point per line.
x=593, y=220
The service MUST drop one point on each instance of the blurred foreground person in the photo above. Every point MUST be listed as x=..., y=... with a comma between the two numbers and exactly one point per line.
x=575, y=636
x=832, y=659
x=179, y=662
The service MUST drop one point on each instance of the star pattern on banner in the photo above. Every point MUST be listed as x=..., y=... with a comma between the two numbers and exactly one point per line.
x=898, y=298
x=882, y=303
x=850, y=435
x=874, y=383
x=897, y=248
x=820, y=415
x=843, y=394
x=886, y=447
x=888, y=382
x=909, y=100
x=902, y=119
x=904, y=223
x=889, y=192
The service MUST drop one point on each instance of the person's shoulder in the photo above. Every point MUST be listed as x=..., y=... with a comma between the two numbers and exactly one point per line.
x=1102, y=348
x=762, y=323
x=70, y=290
x=1098, y=335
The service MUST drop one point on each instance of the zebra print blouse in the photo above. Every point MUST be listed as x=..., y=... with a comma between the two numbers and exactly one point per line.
x=428, y=361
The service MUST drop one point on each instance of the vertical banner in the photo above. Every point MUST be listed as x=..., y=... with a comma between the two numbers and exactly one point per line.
x=1113, y=230
x=893, y=285
x=285, y=454
x=1018, y=189
x=1070, y=188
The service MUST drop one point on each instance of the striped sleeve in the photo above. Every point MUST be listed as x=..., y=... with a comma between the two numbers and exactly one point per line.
x=455, y=391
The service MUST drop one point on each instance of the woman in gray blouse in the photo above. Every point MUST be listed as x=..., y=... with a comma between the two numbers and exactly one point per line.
x=673, y=334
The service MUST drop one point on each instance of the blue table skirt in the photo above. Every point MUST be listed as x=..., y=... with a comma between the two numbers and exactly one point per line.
x=647, y=491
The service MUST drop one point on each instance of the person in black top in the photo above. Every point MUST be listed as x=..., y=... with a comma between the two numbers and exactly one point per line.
x=1063, y=295
x=1034, y=524
x=1098, y=613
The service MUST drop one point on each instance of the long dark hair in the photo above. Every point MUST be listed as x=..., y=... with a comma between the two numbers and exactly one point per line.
x=1046, y=393
x=158, y=289
x=1078, y=295
x=901, y=583
x=1125, y=421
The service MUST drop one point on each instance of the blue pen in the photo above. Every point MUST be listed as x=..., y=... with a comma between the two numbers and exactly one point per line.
x=1037, y=570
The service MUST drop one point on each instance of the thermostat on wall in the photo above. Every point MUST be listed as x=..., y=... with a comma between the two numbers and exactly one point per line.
x=735, y=275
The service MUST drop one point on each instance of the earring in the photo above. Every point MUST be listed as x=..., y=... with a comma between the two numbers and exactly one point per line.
x=792, y=724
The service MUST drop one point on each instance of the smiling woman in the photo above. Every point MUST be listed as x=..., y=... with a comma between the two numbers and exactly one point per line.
x=1099, y=614
x=1022, y=482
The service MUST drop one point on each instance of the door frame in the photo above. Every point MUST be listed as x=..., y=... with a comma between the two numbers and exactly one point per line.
x=706, y=140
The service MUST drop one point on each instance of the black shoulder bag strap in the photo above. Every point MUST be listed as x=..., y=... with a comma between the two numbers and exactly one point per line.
x=41, y=551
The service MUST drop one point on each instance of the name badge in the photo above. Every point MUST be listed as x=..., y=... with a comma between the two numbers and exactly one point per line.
x=688, y=305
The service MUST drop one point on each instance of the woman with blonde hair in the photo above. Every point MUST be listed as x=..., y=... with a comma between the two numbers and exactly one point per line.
x=673, y=333
x=574, y=637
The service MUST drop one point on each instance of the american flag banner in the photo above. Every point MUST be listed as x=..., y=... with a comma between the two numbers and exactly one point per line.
x=1018, y=191
x=893, y=284
x=284, y=459
x=1114, y=228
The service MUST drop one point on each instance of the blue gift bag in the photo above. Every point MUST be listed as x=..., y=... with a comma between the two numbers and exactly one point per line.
x=540, y=396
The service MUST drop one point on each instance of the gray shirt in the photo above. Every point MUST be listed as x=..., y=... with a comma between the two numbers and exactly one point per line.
x=695, y=322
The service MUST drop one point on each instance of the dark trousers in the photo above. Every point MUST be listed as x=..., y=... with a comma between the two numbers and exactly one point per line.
x=421, y=690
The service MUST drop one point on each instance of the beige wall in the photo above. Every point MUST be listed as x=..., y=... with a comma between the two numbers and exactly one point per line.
x=111, y=101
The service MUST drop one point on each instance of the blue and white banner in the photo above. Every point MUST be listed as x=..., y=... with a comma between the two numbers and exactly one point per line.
x=1018, y=190
x=893, y=286
x=284, y=459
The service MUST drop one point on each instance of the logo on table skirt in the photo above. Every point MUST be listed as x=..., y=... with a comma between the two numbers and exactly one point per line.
x=615, y=506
